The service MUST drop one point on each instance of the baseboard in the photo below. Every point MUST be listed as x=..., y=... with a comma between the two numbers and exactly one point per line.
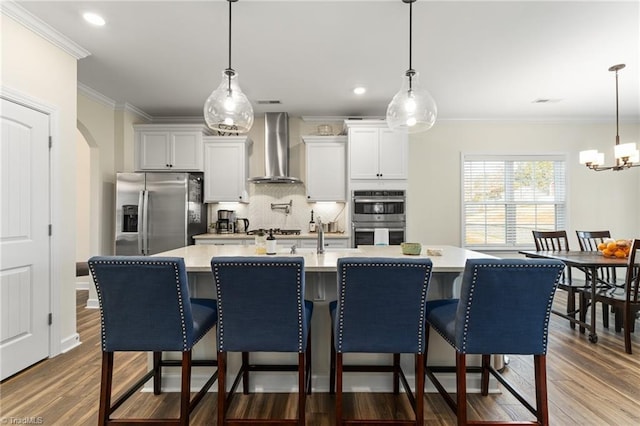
x=92, y=304
x=70, y=342
x=83, y=285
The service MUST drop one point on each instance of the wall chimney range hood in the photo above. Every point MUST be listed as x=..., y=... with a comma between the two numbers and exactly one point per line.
x=276, y=150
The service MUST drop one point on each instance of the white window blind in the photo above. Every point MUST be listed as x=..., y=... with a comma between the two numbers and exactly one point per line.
x=505, y=197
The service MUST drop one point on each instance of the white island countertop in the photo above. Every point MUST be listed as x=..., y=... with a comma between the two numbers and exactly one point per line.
x=198, y=257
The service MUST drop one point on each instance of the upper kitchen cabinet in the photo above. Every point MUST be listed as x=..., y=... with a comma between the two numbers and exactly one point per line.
x=226, y=168
x=326, y=168
x=174, y=147
x=375, y=151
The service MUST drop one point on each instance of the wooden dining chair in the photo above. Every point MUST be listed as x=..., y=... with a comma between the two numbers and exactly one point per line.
x=625, y=300
x=589, y=241
x=558, y=241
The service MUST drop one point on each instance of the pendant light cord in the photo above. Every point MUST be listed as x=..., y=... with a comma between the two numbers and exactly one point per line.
x=410, y=33
x=410, y=72
x=229, y=70
x=617, y=129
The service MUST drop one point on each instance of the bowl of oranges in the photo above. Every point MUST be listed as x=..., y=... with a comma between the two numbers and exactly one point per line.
x=615, y=248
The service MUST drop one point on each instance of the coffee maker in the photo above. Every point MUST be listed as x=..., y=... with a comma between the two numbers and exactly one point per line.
x=226, y=223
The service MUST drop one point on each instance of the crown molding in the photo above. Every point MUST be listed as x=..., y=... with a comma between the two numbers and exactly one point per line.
x=44, y=30
x=179, y=119
x=127, y=107
x=96, y=96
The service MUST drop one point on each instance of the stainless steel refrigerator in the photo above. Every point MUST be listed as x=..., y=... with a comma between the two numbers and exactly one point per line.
x=158, y=211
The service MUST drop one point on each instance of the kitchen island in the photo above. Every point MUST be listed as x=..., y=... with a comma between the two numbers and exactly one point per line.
x=321, y=288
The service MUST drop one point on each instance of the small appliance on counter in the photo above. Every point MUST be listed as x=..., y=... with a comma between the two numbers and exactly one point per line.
x=226, y=223
x=242, y=225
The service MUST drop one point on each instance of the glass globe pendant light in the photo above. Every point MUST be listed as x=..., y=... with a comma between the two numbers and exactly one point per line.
x=227, y=109
x=412, y=109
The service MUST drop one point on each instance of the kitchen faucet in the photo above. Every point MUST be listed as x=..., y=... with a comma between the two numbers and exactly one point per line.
x=320, y=248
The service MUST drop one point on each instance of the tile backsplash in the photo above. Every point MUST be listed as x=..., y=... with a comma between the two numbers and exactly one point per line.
x=261, y=215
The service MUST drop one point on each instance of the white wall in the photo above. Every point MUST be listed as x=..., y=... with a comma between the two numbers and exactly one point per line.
x=597, y=200
x=46, y=73
x=83, y=198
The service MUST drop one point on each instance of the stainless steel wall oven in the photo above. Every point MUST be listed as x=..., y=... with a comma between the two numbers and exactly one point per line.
x=372, y=210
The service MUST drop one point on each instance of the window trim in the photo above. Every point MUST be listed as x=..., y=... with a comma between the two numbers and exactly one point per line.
x=519, y=156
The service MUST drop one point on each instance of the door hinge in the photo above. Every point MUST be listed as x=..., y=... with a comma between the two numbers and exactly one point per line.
x=50, y=142
x=50, y=229
x=50, y=318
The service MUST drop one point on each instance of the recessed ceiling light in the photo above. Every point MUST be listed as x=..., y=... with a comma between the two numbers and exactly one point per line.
x=94, y=18
x=359, y=90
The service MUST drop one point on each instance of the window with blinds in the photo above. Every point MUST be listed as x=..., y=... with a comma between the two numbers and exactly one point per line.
x=505, y=197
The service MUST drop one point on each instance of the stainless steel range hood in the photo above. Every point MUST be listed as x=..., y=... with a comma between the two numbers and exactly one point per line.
x=276, y=150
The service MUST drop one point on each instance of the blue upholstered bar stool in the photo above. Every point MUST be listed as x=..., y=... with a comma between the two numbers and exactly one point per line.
x=504, y=308
x=262, y=309
x=380, y=309
x=145, y=306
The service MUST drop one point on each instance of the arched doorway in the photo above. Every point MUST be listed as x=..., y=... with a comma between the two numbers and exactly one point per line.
x=88, y=206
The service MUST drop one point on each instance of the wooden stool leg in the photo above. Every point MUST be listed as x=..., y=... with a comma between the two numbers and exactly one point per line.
x=461, y=388
x=420, y=361
x=396, y=375
x=540, y=369
x=222, y=391
x=245, y=373
x=339, y=389
x=105, y=388
x=301, y=388
x=484, y=381
x=307, y=370
x=185, y=388
x=332, y=366
x=157, y=375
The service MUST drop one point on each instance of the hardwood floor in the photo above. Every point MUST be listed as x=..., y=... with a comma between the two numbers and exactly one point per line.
x=589, y=384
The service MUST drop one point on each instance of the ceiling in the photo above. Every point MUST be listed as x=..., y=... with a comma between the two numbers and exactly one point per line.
x=480, y=60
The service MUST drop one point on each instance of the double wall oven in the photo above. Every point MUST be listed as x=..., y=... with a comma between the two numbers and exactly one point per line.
x=373, y=210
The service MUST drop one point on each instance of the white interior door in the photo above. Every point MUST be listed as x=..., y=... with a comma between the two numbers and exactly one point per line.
x=24, y=237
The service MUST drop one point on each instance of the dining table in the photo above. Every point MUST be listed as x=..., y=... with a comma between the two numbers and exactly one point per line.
x=588, y=262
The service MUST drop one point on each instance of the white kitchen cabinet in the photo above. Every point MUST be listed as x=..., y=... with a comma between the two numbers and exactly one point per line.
x=376, y=152
x=226, y=168
x=328, y=243
x=326, y=168
x=175, y=147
